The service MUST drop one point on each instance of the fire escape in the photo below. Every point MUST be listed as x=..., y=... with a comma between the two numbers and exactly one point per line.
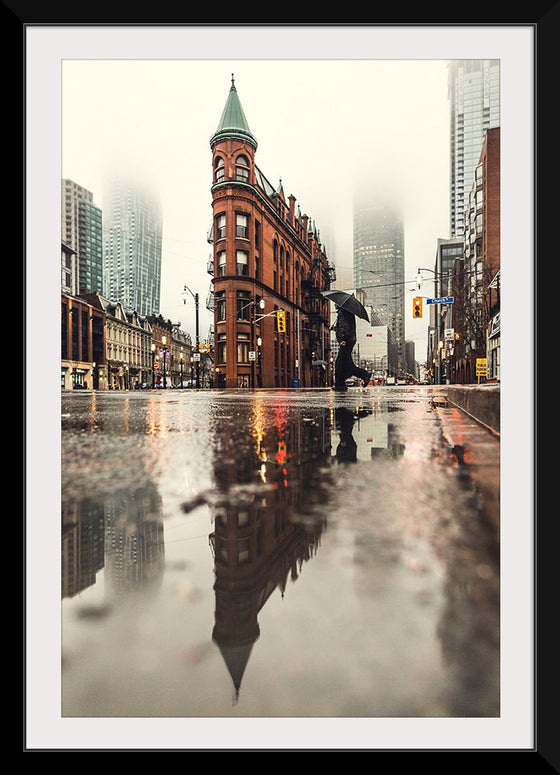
x=320, y=277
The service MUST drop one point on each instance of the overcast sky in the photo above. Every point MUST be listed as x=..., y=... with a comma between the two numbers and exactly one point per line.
x=328, y=106
x=321, y=126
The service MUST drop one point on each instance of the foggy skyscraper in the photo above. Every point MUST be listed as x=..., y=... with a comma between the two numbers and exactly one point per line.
x=474, y=97
x=132, y=248
x=379, y=263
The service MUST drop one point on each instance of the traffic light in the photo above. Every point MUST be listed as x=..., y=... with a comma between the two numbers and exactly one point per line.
x=281, y=321
x=417, y=307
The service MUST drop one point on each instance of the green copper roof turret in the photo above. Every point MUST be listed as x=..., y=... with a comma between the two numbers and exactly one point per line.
x=233, y=123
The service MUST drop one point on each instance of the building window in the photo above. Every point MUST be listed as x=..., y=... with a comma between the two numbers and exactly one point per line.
x=257, y=234
x=243, y=305
x=242, y=169
x=221, y=226
x=222, y=353
x=241, y=225
x=242, y=262
x=220, y=170
x=221, y=263
x=243, y=547
x=221, y=305
x=242, y=347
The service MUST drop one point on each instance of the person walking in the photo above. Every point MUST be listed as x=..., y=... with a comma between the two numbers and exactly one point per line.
x=344, y=367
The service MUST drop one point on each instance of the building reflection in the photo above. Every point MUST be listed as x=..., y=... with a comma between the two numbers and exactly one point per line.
x=262, y=541
x=120, y=532
x=365, y=432
x=83, y=545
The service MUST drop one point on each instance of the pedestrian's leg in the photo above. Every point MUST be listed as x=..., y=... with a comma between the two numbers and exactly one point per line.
x=362, y=374
x=342, y=368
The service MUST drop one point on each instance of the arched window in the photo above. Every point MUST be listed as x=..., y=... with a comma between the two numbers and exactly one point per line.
x=242, y=169
x=219, y=174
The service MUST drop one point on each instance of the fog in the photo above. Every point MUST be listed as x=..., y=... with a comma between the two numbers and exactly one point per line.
x=324, y=128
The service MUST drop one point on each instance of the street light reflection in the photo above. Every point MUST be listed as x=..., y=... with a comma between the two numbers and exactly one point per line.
x=156, y=414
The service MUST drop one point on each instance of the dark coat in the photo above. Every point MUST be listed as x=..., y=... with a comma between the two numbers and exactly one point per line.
x=345, y=327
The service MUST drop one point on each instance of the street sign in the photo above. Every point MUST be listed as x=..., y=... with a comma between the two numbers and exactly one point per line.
x=252, y=355
x=449, y=334
x=196, y=356
x=443, y=300
x=481, y=367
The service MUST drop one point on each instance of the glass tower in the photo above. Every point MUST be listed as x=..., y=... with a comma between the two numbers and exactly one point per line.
x=132, y=240
x=82, y=230
x=379, y=263
x=474, y=97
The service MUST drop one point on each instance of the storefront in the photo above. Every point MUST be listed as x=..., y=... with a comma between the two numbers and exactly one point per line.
x=76, y=376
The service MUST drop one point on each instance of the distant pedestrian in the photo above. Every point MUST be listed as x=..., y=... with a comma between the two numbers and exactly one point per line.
x=345, y=328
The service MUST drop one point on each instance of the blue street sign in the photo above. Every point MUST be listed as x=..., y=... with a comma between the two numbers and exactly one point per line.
x=444, y=300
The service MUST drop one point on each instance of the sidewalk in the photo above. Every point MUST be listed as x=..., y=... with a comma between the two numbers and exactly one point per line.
x=474, y=444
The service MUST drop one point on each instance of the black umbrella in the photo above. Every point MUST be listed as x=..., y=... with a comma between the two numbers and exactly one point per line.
x=348, y=302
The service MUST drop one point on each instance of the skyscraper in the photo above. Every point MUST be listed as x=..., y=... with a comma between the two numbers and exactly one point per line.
x=82, y=230
x=132, y=239
x=474, y=97
x=379, y=263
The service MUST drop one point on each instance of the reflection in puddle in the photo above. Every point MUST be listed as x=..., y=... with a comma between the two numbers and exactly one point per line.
x=264, y=541
x=270, y=512
x=121, y=533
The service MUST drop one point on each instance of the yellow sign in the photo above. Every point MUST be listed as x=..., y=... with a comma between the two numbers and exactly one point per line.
x=481, y=367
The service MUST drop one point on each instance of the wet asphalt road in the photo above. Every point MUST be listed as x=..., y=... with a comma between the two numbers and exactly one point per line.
x=228, y=554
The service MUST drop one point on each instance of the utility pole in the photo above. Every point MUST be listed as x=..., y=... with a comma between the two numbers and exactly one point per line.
x=195, y=297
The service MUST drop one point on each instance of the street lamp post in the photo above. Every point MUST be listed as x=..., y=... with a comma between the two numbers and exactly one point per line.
x=259, y=372
x=261, y=305
x=437, y=291
x=153, y=365
x=181, y=366
x=164, y=342
x=195, y=297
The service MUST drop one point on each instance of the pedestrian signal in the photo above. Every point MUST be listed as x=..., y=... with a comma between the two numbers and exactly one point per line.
x=281, y=321
x=417, y=307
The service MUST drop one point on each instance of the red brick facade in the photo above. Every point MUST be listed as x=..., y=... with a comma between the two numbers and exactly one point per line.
x=266, y=257
x=476, y=292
